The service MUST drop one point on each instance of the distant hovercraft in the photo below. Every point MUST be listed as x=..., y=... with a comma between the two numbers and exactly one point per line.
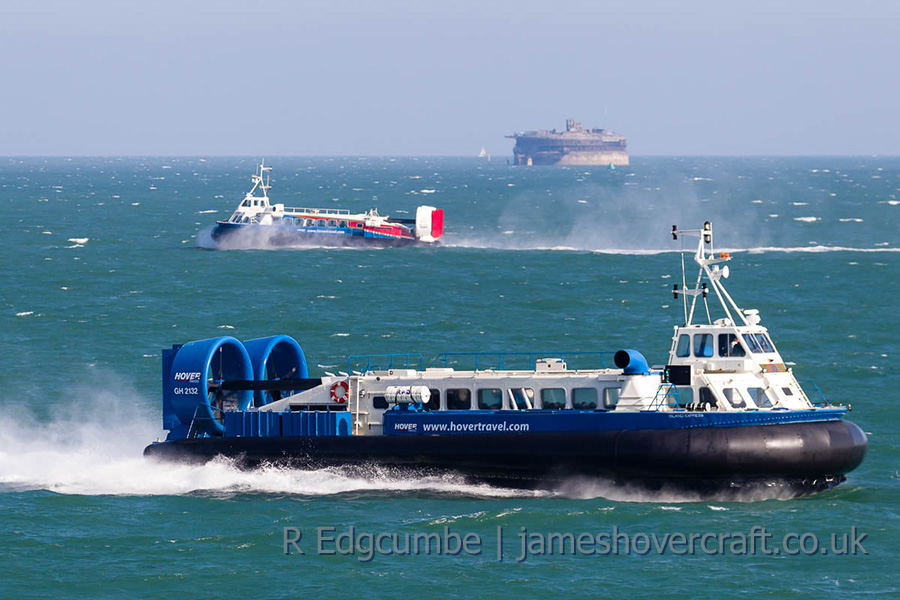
x=256, y=219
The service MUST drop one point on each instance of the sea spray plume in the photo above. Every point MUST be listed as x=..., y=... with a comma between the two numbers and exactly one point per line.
x=92, y=446
x=268, y=238
x=580, y=488
x=622, y=212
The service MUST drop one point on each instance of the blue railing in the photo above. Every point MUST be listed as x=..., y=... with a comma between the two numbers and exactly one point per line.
x=809, y=394
x=373, y=366
x=663, y=394
x=498, y=357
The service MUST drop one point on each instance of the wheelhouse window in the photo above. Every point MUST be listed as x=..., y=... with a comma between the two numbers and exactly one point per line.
x=584, y=398
x=760, y=397
x=684, y=345
x=459, y=399
x=730, y=345
x=553, y=398
x=734, y=398
x=759, y=343
x=522, y=398
x=490, y=399
x=246, y=203
x=703, y=345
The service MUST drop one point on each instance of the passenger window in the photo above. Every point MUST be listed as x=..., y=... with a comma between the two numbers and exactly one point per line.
x=379, y=402
x=342, y=224
x=584, y=398
x=553, y=398
x=684, y=345
x=703, y=345
x=332, y=223
x=434, y=402
x=734, y=398
x=610, y=398
x=759, y=397
x=787, y=391
x=685, y=396
x=523, y=398
x=490, y=399
x=730, y=345
x=459, y=399
x=320, y=222
x=358, y=225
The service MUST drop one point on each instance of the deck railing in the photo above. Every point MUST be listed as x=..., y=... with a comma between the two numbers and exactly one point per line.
x=533, y=357
x=391, y=358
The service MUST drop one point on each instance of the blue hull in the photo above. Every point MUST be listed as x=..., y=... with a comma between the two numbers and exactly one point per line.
x=804, y=456
x=277, y=236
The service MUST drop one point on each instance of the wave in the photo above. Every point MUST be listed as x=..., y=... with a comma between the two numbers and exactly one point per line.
x=515, y=246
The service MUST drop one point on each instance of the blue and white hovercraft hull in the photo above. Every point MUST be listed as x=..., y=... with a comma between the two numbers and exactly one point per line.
x=724, y=413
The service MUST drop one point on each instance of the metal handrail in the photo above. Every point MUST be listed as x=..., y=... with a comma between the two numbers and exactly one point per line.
x=375, y=367
x=815, y=387
x=318, y=211
x=660, y=400
x=532, y=356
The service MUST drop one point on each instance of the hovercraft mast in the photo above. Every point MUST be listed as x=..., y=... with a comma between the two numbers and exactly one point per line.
x=709, y=266
x=260, y=183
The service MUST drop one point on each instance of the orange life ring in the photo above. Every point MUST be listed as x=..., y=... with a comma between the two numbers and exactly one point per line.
x=340, y=396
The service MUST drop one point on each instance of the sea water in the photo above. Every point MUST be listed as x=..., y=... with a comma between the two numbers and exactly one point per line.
x=103, y=265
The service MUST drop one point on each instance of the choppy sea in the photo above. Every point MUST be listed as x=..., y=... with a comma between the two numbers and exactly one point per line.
x=102, y=265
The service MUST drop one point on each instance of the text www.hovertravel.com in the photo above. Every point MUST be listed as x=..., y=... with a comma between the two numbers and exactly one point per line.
x=453, y=427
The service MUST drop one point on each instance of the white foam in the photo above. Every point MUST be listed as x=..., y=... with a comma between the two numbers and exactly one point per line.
x=97, y=450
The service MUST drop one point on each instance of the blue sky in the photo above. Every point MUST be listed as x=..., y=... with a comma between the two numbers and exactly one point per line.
x=442, y=78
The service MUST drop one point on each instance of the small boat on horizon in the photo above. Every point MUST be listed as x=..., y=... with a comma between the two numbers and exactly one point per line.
x=256, y=221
